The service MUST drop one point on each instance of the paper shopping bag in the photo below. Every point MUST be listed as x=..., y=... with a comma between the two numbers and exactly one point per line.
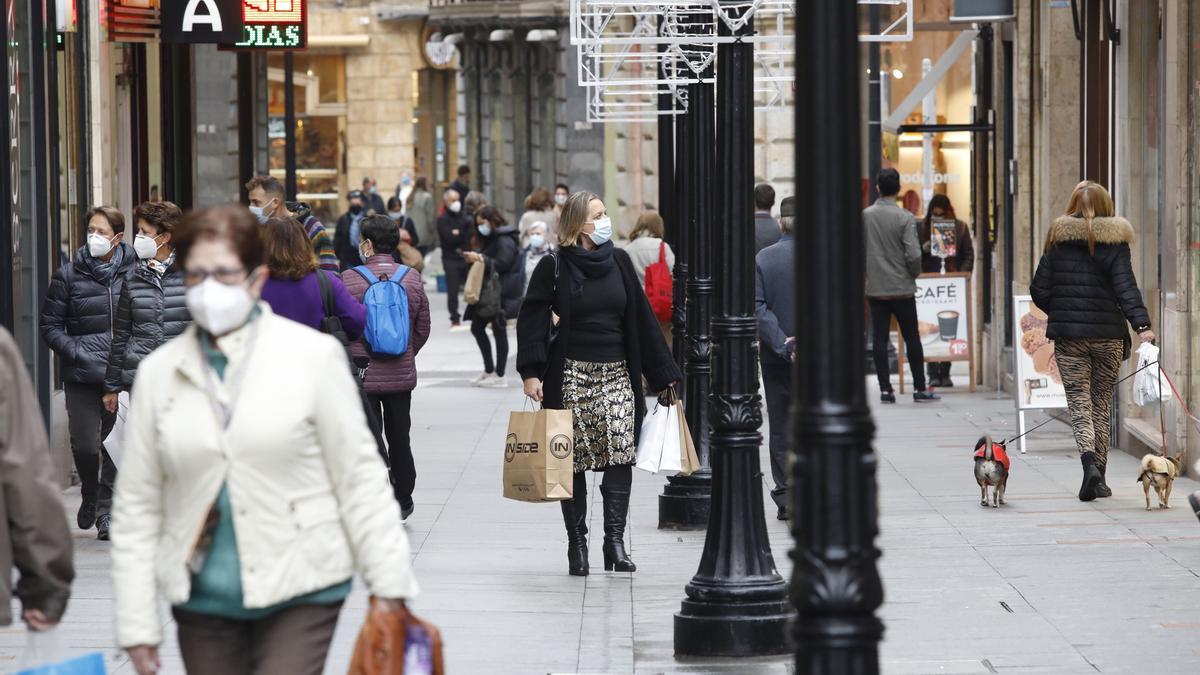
x=114, y=443
x=689, y=460
x=652, y=442
x=474, y=286
x=539, y=456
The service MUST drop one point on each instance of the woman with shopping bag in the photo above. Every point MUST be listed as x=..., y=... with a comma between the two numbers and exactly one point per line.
x=592, y=363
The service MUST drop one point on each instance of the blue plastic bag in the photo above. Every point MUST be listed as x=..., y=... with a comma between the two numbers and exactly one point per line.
x=45, y=654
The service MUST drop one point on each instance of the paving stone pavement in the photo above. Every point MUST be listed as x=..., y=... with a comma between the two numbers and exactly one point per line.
x=1046, y=584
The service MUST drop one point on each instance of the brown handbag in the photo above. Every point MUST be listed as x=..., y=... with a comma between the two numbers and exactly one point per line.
x=383, y=644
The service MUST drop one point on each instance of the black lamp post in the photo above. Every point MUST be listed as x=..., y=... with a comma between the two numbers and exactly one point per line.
x=835, y=581
x=736, y=603
x=684, y=503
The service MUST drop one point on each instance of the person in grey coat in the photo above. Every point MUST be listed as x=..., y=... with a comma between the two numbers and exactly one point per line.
x=775, y=308
x=76, y=323
x=766, y=230
x=152, y=308
x=893, y=265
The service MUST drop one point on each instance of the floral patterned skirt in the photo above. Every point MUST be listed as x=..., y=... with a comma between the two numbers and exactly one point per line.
x=601, y=398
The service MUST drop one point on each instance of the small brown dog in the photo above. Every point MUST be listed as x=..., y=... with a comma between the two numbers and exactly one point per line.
x=1160, y=472
x=991, y=468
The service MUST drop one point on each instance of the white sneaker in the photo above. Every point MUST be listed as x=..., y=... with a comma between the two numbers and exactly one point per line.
x=495, y=382
x=458, y=327
x=480, y=379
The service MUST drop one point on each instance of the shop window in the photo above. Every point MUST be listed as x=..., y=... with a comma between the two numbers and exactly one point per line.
x=319, y=88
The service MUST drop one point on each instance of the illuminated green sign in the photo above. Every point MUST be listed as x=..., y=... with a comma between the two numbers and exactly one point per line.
x=273, y=36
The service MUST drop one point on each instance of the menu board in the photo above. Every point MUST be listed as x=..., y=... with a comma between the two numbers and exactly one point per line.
x=1039, y=383
x=943, y=239
x=944, y=316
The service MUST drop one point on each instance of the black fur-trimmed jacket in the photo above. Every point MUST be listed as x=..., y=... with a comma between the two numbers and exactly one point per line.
x=1089, y=295
x=151, y=310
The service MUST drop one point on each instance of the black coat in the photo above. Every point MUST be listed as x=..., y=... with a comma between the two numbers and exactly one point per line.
x=346, y=251
x=452, y=243
x=150, y=312
x=646, y=351
x=77, y=316
x=502, y=254
x=1086, y=295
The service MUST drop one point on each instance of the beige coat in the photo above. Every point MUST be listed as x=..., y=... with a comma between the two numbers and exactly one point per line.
x=309, y=492
x=33, y=526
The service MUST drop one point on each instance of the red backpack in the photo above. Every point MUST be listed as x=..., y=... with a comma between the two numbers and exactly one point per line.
x=660, y=285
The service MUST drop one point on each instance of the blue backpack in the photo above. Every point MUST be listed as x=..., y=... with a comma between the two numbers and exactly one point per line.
x=388, y=324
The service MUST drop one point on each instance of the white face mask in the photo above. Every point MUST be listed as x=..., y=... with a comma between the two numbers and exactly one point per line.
x=560, y=199
x=537, y=241
x=99, y=245
x=484, y=229
x=145, y=247
x=395, y=215
x=260, y=213
x=603, y=231
x=456, y=206
x=219, y=308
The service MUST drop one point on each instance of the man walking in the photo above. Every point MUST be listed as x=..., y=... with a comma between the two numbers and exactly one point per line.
x=266, y=197
x=348, y=234
x=33, y=534
x=893, y=265
x=372, y=199
x=766, y=230
x=775, y=307
x=454, y=234
x=462, y=184
x=77, y=325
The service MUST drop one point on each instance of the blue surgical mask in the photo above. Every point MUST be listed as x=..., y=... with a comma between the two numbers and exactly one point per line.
x=603, y=231
x=258, y=213
x=484, y=230
x=537, y=241
x=396, y=215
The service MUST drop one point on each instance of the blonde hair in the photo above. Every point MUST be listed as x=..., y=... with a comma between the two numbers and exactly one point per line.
x=649, y=224
x=576, y=212
x=1089, y=200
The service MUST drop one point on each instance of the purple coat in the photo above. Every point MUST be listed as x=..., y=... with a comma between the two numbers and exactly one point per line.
x=300, y=301
x=388, y=375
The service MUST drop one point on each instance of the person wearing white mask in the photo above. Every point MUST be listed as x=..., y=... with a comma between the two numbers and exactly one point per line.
x=152, y=309
x=538, y=247
x=607, y=340
x=561, y=193
x=455, y=232
x=246, y=511
x=77, y=325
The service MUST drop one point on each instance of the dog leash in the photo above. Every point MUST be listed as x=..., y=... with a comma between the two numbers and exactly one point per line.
x=1005, y=442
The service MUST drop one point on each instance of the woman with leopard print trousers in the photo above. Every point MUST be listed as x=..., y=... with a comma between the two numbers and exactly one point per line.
x=1086, y=286
x=607, y=340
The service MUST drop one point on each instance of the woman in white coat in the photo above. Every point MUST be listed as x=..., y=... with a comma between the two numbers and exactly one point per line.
x=250, y=489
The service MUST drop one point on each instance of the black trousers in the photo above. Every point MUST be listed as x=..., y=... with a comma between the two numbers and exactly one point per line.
x=456, y=277
x=500, y=332
x=905, y=311
x=396, y=413
x=777, y=380
x=88, y=423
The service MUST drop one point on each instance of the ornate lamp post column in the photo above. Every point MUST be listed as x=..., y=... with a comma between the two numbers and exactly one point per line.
x=835, y=582
x=684, y=503
x=736, y=603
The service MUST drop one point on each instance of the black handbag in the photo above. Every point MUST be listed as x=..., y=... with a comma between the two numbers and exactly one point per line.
x=330, y=323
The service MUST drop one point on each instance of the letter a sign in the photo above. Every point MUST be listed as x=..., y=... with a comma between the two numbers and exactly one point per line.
x=201, y=21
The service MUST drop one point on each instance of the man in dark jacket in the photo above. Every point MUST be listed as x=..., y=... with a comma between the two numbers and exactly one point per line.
x=267, y=197
x=455, y=229
x=76, y=323
x=33, y=533
x=152, y=308
x=372, y=200
x=775, y=307
x=348, y=234
x=766, y=230
x=462, y=184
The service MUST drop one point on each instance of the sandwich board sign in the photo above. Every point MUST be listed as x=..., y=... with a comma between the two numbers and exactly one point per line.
x=1038, y=380
x=201, y=21
x=944, y=321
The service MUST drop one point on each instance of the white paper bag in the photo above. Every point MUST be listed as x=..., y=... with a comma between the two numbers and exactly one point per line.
x=659, y=448
x=114, y=443
x=1149, y=385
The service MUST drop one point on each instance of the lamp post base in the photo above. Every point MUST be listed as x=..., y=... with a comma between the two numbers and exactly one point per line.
x=684, y=503
x=716, y=628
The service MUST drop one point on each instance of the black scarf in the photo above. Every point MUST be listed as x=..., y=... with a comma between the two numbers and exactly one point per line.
x=584, y=264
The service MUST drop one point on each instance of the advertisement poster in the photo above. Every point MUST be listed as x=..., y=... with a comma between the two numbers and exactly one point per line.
x=943, y=241
x=1039, y=384
x=943, y=316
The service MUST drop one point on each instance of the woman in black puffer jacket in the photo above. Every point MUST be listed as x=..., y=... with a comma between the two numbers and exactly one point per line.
x=152, y=308
x=496, y=245
x=1086, y=286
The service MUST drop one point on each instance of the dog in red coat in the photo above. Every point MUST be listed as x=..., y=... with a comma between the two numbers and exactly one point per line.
x=991, y=469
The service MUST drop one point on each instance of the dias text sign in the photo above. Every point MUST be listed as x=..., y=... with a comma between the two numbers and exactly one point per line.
x=274, y=24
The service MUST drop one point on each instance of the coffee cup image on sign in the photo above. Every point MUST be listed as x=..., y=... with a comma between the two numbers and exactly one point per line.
x=948, y=325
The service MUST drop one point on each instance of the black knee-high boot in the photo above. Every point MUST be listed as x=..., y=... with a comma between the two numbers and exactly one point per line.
x=616, y=510
x=575, y=518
